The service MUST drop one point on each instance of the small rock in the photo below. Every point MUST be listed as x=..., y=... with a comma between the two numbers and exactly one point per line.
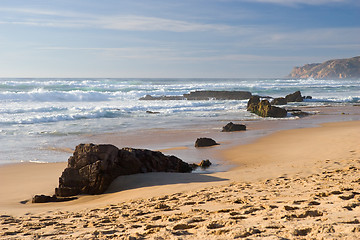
x=205, y=142
x=231, y=127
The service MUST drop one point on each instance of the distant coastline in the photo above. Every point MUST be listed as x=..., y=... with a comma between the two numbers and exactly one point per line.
x=332, y=69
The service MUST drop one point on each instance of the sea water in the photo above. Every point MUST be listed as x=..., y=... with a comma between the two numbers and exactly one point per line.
x=39, y=117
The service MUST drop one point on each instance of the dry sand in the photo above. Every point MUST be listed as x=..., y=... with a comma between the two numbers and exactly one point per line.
x=293, y=184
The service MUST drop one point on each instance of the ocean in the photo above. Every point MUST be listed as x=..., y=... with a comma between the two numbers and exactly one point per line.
x=38, y=116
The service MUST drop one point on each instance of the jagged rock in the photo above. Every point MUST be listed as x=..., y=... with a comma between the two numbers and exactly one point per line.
x=92, y=168
x=264, y=109
x=231, y=127
x=253, y=103
x=279, y=101
x=205, y=142
x=219, y=95
x=294, y=97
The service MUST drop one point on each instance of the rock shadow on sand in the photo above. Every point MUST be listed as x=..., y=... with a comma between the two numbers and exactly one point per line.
x=151, y=179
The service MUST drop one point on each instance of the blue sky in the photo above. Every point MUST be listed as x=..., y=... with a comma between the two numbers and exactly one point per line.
x=172, y=38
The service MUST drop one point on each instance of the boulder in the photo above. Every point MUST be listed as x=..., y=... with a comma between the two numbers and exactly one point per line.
x=279, y=101
x=264, y=109
x=294, y=97
x=92, y=168
x=253, y=103
x=205, y=142
x=231, y=127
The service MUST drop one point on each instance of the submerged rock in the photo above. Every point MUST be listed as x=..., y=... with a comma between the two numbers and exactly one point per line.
x=231, y=127
x=205, y=142
x=92, y=168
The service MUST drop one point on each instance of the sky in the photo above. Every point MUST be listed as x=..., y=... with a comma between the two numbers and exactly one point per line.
x=172, y=38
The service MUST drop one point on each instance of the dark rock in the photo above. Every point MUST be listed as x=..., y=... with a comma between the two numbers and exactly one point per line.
x=92, y=168
x=231, y=127
x=279, y=101
x=264, y=109
x=294, y=97
x=308, y=97
x=205, y=142
x=253, y=103
x=149, y=97
x=46, y=199
x=205, y=163
x=219, y=95
x=43, y=199
x=151, y=112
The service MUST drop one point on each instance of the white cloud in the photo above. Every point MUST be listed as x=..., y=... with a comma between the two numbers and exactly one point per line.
x=46, y=18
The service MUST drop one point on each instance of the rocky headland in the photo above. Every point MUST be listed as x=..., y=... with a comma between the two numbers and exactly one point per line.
x=331, y=69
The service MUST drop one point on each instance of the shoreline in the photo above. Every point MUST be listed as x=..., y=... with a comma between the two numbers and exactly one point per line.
x=297, y=165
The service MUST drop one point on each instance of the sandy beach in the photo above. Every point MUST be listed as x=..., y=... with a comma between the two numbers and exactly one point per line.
x=292, y=184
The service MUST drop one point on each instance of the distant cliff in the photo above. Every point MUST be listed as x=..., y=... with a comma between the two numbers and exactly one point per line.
x=337, y=68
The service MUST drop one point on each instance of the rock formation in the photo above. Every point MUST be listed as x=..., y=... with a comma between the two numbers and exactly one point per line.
x=205, y=142
x=92, y=168
x=332, y=69
x=294, y=97
x=263, y=108
x=231, y=127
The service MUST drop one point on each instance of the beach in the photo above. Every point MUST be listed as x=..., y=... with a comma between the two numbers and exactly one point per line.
x=294, y=183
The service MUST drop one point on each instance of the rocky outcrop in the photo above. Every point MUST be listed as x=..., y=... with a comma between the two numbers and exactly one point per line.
x=205, y=142
x=219, y=95
x=92, y=168
x=204, y=95
x=263, y=108
x=231, y=127
x=294, y=97
x=332, y=69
